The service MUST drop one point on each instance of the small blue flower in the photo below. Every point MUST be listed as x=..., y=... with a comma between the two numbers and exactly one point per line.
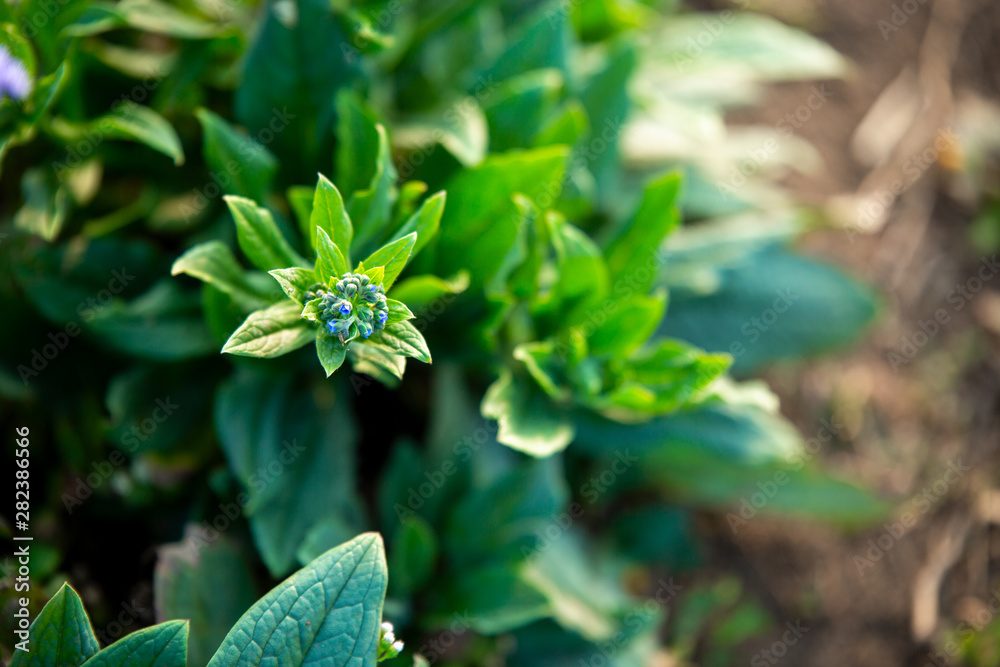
x=373, y=288
x=345, y=307
x=382, y=317
x=367, y=331
x=15, y=82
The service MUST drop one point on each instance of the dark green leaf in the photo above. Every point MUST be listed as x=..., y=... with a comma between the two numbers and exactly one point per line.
x=163, y=645
x=242, y=165
x=61, y=635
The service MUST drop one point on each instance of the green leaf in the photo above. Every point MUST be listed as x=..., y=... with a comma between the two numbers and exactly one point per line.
x=764, y=306
x=370, y=209
x=61, y=635
x=248, y=166
x=329, y=214
x=163, y=645
x=207, y=581
x=296, y=64
x=422, y=291
x=527, y=420
x=403, y=338
x=330, y=260
x=481, y=220
x=295, y=282
x=259, y=237
x=494, y=600
x=425, y=222
x=412, y=555
x=628, y=326
x=213, y=262
x=358, y=142
x=271, y=332
x=460, y=128
x=46, y=204
x=398, y=312
x=291, y=443
x=581, y=285
x=605, y=96
x=517, y=110
x=328, y=612
x=393, y=258
x=300, y=199
x=164, y=323
x=330, y=351
x=633, y=256
x=378, y=362
x=376, y=274
x=139, y=123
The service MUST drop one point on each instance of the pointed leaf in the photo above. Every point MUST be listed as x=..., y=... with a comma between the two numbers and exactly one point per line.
x=403, y=338
x=259, y=237
x=633, y=255
x=330, y=215
x=214, y=263
x=330, y=351
x=163, y=645
x=271, y=332
x=61, y=636
x=393, y=257
x=294, y=281
x=330, y=260
x=378, y=362
x=327, y=613
x=251, y=168
x=425, y=222
x=398, y=312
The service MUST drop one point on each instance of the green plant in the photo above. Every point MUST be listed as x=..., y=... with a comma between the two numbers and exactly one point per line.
x=590, y=388
x=330, y=610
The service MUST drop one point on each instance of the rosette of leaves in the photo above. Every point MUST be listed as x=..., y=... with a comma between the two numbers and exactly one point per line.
x=341, y=306
x=580, y=323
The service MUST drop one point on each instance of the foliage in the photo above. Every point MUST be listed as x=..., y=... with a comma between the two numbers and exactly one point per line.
x=582, y=336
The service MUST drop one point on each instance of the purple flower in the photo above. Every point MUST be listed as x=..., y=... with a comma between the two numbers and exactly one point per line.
x=15, y=82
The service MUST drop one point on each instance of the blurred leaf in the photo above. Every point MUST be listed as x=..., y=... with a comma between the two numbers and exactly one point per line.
x=206, y=581
x=527, y=421
x=239, y=164
x=294, y=455
x=768, y=306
